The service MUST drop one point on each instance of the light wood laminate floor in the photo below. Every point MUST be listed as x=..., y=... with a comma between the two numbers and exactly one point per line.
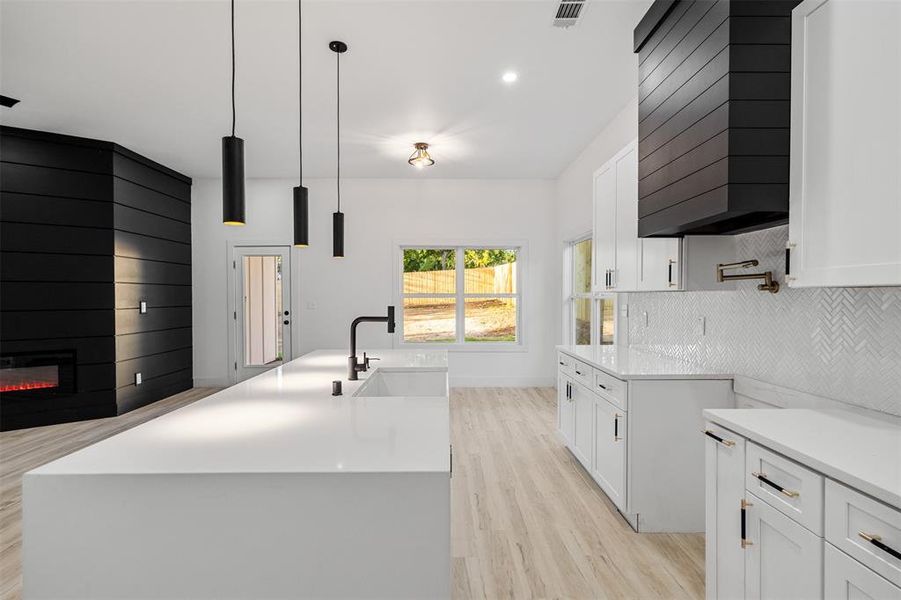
x=527, y=521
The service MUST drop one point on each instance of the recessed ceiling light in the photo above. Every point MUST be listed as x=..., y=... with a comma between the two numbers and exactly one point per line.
x=510, y=77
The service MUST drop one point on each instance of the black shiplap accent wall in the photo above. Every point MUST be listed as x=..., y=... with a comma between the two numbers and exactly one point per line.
x=714, y=101
x=88, y=229
x=152, y=239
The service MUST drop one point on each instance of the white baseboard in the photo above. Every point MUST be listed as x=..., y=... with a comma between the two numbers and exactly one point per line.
x=516, y=382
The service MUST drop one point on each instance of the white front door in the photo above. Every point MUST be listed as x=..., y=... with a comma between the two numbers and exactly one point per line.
x=262, y=318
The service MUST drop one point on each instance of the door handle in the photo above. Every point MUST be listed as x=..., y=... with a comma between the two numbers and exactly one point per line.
x=724, y=442
x=763, y=478
x=669, y=275
x=877, y=541
x=744, y=527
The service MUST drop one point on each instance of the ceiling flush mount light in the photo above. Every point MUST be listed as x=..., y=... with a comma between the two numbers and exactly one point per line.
x=301, y=193
x=233, y=160
x=338, y=48
x=509, y=77
x=420, y=157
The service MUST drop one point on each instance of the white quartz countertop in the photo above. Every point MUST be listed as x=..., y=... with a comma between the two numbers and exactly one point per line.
x=286, y=420
x=629, y=362
x=859, y=448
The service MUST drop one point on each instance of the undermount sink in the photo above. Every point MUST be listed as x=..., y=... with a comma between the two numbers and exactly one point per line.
x=404, y=383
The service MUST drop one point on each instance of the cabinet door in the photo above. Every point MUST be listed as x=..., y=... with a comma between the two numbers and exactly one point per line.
x=724, y=454
x=782, y=558
x=583, y=405
x=847, y=579
x=625, y=275
x=604, y=231
x=845, y=213
x=565, y=412
x=610, y=451
x=658, y=264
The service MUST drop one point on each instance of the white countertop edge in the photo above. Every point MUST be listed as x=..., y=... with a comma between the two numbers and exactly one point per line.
x=306, y=392
x=721, y=418
x=684, y=369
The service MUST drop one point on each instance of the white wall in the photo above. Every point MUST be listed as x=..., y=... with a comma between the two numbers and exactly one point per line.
x=328, y=293
x=573, y=191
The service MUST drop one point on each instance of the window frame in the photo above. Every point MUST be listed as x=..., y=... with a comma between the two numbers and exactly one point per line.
x=595, y=298
x=460, y=295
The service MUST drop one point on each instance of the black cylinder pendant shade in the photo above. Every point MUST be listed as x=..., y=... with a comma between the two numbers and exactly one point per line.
x=338, y=235
x=301, y=217
x=233, y=180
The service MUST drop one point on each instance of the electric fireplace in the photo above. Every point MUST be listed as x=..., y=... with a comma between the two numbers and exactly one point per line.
x=37, y=374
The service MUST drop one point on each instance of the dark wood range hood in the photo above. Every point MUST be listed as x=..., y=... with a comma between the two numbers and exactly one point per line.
x=713, y=112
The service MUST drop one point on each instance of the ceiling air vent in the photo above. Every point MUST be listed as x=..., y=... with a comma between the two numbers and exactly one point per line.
x=568, y=13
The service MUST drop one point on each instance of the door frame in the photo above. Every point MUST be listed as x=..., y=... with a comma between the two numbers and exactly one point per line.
x=232, y=293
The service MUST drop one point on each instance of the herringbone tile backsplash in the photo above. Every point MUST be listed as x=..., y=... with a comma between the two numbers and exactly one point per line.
x=841, y=343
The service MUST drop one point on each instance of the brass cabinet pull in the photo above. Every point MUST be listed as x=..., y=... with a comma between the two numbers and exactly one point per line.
x=877, y=541
x=763, y=478
x=724, y=442
x=745, y=542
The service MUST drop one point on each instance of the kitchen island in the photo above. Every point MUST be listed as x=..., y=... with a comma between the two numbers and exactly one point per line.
x=270, y=488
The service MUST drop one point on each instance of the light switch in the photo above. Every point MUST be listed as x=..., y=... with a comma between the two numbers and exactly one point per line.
x=702, y=326
x=137, y=379
x=644, y=317
x=143, y=307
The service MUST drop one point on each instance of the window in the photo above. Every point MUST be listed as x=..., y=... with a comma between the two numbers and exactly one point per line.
x=461, y=295
x=582, y=308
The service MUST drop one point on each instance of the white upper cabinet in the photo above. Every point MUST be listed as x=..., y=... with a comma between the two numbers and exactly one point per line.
x=615, y=237
x=845, y=193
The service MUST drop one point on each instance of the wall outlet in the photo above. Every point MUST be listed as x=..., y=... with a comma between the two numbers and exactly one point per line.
x=138, y=379
x=143, y=307
x=624, y=311
x=701, y=326
x=644, y=318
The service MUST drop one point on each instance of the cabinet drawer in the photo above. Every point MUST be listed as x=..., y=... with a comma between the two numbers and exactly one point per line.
x=793, y=490
x=565, y=363
x=846, y=579
x=613, y=389
x=854, y=522
x=582, y=372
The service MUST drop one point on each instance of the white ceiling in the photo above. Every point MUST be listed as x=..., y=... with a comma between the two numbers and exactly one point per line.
x=154, y=76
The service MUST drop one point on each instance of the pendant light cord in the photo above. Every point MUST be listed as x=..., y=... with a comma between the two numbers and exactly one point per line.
x=300, y=88
x=338, y=120
x=233, y=68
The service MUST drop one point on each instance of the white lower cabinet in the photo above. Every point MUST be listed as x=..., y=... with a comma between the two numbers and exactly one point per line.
x=638, y=439
x=583, y=404
x=610, y=451
x=847, y=579
x=765, y=533
x=725, y=556
x=782, y=558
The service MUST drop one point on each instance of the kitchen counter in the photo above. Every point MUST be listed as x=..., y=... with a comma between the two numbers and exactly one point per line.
x=628, y=362
x=272, y=488
x=286, y=420
x=859, y=448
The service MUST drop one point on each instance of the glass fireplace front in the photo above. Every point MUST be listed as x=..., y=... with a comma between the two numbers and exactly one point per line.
x=37, y=373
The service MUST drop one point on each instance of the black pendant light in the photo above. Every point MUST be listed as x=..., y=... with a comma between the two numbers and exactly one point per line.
x=338, y=48
x=233, y=160
x=301, y=194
